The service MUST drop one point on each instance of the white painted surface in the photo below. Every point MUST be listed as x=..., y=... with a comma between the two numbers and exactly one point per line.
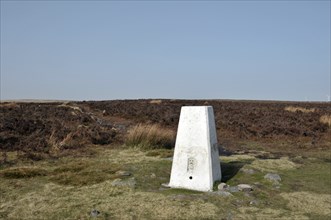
x=196, y=163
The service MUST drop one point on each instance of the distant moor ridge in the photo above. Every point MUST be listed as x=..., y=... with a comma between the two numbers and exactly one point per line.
x=38, y=130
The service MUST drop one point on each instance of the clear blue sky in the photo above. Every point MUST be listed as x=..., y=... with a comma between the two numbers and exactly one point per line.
x=87, y=50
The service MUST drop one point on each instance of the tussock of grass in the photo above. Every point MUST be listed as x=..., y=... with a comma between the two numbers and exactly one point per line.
x=156, y=101
x=150, y=137
x=326, y=119
x=299, y=109
x=23, y=172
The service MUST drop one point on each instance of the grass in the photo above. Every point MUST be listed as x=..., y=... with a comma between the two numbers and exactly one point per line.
x=326, y=119
x=23, y=172
x=155, y=101
x=150, y=137
x=299, y=109
x=70, y=187
x=162, y=153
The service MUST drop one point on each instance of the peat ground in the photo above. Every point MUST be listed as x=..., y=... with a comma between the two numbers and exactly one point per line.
x=41, y=130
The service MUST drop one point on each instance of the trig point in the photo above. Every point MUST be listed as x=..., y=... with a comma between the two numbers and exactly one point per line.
x=196, y=163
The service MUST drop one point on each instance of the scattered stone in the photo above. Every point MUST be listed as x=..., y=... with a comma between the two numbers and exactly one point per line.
x=166, y=185
x=153, y=175
x=123, y=173
x=248, y=171
x=273, y=177
x=222, y=186
x=131, y=182
x=223, y=193
x=168, y=158
x=233, y=189
x=162, y=188
x=254, y=202
x=248, y=194
x=245, y=187
x=276, y=185
x=95, y=213
x=238, y=202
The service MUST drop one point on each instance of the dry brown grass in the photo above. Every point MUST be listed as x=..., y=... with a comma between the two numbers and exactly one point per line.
x=9, y=105
x=326, y=119
x=150, y=137
x=299, y=109
x=156, y=101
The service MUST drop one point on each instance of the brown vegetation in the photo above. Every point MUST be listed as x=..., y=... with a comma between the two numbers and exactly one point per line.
x=326, y=119
x=150, y=136
x=299, y=109
x=39, y=130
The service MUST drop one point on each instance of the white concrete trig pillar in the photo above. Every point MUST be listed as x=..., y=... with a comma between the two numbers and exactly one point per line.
x=196, y=163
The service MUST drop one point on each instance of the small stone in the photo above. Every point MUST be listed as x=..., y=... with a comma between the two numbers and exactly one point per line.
x=223, y=193
x=254, y=202
x=222, y=186
x=95, y=213
x=131, y=182
x=123, y=173
x=233, y=189
x=248, y=171
x=248, y=194
x=153, y=175
x=245, y=187
x=276, y=185
x=273, y=177
x=166, y=185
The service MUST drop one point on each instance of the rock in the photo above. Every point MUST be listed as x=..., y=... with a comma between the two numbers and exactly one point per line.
x=222, y=186
x=254, y=202
x=131, y=182
x=238, y=202
x=162, y=188
x=123, y=173
x=233, y=189
x=248, y=171
x=273, y=177
x=276, y=185
x=168, y=158
x=166, y=185
x=248, y=194
x=245, y=187
x=223, y=193
x=153, y=175
x=95, y=213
